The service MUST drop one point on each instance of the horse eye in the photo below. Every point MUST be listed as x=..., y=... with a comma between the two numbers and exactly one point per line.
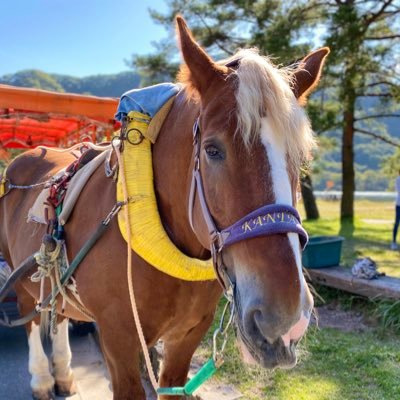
x=214, y=153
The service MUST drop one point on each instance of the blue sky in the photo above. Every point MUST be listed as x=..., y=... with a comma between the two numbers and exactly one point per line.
x=75, y=37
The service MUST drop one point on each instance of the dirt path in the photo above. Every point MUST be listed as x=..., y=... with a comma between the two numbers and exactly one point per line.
x=333, y=316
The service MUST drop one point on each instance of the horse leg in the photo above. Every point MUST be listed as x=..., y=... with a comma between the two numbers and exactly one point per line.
x=42, y=382
x=178, y=354
x=121, y=350
x=61, y=357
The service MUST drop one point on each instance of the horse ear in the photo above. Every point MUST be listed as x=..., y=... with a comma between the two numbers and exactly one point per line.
x=200, y=69
x=307, y=74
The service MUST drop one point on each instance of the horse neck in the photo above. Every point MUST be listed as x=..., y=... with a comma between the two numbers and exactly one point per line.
x=172, y=164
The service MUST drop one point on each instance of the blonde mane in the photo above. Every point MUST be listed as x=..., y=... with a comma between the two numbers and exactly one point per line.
x=263, y=90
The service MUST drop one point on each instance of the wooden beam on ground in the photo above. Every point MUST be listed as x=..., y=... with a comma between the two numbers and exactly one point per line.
x=384, y=287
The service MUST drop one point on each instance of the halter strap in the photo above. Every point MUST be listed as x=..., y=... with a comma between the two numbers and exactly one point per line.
x=267, y=220
x=197, y=186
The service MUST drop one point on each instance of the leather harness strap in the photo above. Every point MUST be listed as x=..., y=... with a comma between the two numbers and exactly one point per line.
x=197, y=186
x=68, y=273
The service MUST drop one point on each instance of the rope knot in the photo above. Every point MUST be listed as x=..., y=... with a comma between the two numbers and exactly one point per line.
x=47, y=260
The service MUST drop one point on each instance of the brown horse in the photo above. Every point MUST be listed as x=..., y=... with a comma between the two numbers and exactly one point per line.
x=253, y=137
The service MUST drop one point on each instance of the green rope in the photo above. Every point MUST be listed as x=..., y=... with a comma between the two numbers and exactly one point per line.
x=205, y=373
x=210, y=367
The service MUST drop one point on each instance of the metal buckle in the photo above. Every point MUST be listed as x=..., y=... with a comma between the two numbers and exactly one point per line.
x=217, y=241
x=230, y=291
x=196, y=163
x=124, y=126
x=115, y=210
x=196, y=129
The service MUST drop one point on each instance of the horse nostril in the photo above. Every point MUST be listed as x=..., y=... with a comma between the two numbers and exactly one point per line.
x=259, y=328
x=262, y=327
x=268, y=327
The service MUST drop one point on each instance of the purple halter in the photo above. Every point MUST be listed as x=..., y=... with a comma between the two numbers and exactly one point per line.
x=267, y=220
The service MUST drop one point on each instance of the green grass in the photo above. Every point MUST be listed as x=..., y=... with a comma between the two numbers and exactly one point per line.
x=335, y=365
x=341, y=365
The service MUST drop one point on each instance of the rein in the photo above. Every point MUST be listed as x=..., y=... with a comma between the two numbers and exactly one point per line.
x=264, y=221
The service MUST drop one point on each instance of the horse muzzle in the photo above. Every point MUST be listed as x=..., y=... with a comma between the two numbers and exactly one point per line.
x=268, y=338
x=267, y=355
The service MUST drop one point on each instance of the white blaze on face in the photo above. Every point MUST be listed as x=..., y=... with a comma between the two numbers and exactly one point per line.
x=276, y=152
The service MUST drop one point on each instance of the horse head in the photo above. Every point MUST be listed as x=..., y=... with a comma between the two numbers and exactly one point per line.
x=251, y=138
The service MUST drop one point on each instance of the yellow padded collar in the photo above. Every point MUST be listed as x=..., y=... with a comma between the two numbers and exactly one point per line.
x=149, y=239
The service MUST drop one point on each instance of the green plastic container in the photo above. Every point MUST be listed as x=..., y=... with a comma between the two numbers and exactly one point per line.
x=322, y=251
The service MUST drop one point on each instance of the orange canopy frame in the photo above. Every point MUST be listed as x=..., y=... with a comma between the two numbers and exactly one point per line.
x=32, y=117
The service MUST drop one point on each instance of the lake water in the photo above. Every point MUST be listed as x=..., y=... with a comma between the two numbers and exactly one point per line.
x=337, y=194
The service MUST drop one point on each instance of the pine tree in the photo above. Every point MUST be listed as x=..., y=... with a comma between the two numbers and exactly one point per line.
x=365, y=55
x=364, y=63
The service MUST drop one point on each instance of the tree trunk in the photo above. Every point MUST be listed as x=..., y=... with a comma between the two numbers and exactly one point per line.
x=310, y=205
x=348, y=177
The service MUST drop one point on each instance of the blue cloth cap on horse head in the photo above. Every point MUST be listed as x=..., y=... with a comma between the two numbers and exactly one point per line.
x=146, y=100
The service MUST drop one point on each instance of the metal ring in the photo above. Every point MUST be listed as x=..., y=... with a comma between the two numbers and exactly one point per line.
x=134, y=136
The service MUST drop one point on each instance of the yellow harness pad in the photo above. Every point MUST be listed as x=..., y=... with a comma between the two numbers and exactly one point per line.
x=149, y=239
x=3, y=182
x=3, y=186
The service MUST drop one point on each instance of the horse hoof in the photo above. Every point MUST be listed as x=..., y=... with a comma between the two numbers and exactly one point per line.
x=65, y=388
x=43, y=395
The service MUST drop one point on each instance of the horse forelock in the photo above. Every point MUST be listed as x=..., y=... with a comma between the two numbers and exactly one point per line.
x=263, y=90
x=267, y=110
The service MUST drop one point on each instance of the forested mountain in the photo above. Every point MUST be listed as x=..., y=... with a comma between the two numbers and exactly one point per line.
x=112, y=85
x=369, y=153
